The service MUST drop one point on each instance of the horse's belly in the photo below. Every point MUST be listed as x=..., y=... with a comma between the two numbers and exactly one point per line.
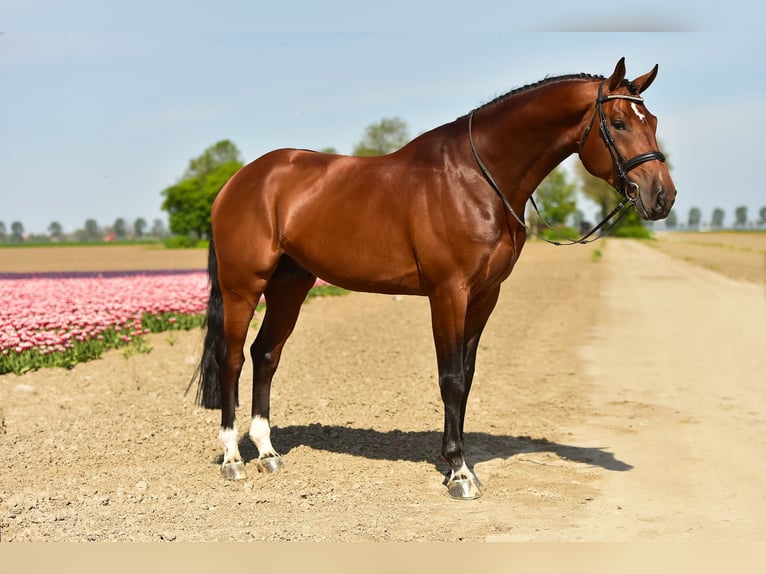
x=358, y=260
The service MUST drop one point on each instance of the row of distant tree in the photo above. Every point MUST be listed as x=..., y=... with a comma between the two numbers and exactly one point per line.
x=717, y=219
x=92, y=231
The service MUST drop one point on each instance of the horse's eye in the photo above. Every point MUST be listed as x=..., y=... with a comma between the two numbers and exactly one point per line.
x=618, y=124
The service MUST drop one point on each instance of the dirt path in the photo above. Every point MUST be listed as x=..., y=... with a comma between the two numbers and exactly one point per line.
x=677, y=360
x=620, y=399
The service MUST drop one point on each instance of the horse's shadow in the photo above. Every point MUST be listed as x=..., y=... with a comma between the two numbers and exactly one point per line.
x=422, y=446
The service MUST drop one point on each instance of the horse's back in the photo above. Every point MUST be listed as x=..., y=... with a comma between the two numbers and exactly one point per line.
x=343, y=218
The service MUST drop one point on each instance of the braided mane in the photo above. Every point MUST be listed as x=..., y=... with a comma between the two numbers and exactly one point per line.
x=544, y=82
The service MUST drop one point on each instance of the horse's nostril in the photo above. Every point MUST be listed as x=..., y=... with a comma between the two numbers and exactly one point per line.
x=660, y=202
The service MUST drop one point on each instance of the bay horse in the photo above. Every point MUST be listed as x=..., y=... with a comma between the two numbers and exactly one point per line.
x=437, y=218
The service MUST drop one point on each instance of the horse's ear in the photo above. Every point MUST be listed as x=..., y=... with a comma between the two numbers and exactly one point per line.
x=646, y=80
x=615, y=80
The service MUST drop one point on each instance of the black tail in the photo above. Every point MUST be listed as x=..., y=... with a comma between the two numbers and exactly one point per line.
x=214, y=351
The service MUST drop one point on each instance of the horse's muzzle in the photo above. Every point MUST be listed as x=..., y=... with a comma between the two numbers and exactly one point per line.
x=656, y=206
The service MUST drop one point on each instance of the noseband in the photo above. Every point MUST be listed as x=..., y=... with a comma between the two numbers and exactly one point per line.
x=621, y=165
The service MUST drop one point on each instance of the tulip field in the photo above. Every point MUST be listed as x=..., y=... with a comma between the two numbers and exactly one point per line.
x=59, y=320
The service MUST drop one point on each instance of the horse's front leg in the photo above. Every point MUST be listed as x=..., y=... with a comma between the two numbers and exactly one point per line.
x=448, y=315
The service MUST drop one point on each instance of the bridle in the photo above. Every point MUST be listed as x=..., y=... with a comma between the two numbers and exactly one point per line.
x=621, y=166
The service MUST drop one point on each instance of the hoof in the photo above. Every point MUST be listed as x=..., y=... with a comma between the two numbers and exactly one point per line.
x=234, y=470
x=464, y=488
x=271, y=464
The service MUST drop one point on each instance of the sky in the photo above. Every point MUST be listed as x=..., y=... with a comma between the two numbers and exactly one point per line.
x=103, y=104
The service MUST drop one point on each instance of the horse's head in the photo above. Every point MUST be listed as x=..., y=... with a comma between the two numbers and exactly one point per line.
x=624, y=152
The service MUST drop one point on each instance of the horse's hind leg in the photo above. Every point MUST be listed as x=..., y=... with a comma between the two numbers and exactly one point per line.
x=284, y=296
x=238, y=312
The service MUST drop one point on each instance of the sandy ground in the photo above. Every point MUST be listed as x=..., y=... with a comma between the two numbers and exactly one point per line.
x=738, y=255
x=618, y=397
x=99, y=258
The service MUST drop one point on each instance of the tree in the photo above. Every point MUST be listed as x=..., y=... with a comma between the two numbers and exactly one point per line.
x=189, y=201
x=761, y=215
x=120, y=228
x=740, y=216
x=695, y=217
x=17, y=232
x=139, y=226
x=672, y=220
x=597, y=190
x=218, y=154
x=3, y=231
x=555, y=197
x=92, y=230
x=718, y=215
x=56, y=231
x=158, y=228
x=384, y=137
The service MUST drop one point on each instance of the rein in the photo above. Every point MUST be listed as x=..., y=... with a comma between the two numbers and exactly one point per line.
x=621, y=165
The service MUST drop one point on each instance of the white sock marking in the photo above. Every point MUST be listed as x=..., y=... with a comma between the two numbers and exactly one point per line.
x=228, y=438
x=260, y=434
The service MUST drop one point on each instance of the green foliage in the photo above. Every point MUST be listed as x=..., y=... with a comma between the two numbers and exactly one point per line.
x=221, y=153
x=188, y=202
x=136, y=346
x=597, y=190
x=555, y=197
x=633, y=226
x=161, y=322
x=384, y=137
x=326, y=291
x=640, y=231
x=182, y=242
x=558, y=233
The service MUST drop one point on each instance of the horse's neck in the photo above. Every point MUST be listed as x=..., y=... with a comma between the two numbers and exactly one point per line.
x=523, y=138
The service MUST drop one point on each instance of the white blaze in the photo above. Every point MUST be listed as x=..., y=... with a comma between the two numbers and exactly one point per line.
x=636, y=111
